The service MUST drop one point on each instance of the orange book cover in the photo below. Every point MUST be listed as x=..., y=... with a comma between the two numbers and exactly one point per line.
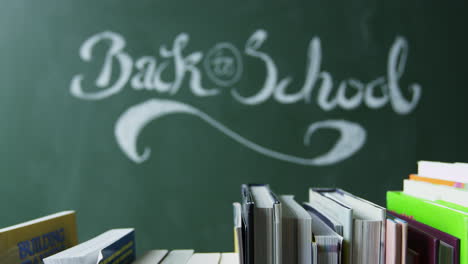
x=32, y=241
x=438, y=181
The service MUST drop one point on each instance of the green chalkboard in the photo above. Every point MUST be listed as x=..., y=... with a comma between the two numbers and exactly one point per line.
x=151, y=114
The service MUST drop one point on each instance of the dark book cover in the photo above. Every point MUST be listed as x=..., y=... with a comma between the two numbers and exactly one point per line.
x=247, y=224
x=442, y=236
x=121, y=251
x=424, y=244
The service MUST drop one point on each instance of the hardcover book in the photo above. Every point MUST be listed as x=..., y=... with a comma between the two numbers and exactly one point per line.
x=444, y=238
x=32, y=241
x=432, y=213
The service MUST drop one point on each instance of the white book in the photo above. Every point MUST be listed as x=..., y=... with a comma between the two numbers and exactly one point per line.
x=267, y=225
x=369, y=227
x=229, y=258
x=326, y=239
x=340, y=213
x=457, y=172
x=180, y=256
x=296, y=232
x=204, y=258
x=152, y=257
x=96, y=249
x=435, y=192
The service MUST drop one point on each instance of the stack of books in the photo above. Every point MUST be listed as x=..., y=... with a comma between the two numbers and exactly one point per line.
x=334, y=226
x=426, y=223
x=53, y=240
x=434, y=206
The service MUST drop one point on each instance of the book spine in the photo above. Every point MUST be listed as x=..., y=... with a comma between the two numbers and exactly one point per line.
x=453, y=222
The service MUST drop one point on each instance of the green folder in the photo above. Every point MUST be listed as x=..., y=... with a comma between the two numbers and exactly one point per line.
x=447, y=217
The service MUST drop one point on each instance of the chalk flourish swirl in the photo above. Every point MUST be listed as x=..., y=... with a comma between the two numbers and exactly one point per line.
x=131, y=123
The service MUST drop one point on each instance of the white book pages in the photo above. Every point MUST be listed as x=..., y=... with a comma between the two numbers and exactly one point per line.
x=329, y=243
x=180, y=256
x=296, y=232
x=89, y=251
x=362, y=209
x=229, y=258
x=205, y=258
x=342, y=214
x=435, y=192
x=391, y=243
x=152, y=257
x=457, y=172
x=373, y=216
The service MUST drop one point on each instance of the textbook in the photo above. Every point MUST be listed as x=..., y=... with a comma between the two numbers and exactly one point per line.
x=368, y=230
x=296, y=232
x=116, y=246
x=338, y=212
x=32, y=241
x=329, y=243
x=435, y=214
x=262, y=220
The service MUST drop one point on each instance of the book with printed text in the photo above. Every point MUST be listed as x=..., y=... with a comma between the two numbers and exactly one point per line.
x=32, y=241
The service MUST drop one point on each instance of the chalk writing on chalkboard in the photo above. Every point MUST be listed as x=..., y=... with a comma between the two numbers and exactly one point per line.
x=222, y=64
